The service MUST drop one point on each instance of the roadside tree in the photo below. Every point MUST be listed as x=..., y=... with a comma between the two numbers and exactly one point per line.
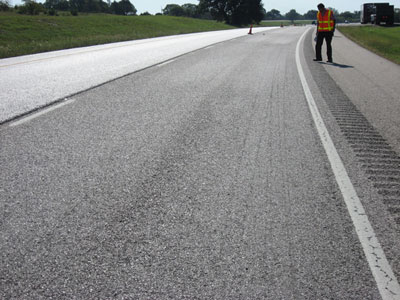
x=310, y=15
x=4, y=5
x=191, y=10
x=124, y=7
x=30, y=7
x=234, y=12
x=292, y=15
x=273, y=14
x=173, y=10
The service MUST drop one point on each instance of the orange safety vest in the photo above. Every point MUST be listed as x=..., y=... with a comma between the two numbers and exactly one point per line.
x=325, y=22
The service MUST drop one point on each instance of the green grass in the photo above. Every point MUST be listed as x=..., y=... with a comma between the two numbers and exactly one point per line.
x=21, y=34
x=384, y=41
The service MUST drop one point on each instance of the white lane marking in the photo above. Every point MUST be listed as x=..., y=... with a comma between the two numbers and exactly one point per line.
x=386, y=281
x=40, y=113
x=166, y=63
x=209, y=47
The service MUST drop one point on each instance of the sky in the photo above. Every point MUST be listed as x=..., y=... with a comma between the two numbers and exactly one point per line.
x=301, y=6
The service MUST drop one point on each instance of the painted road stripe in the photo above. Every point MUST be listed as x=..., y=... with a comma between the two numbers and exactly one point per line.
x=386, y=281
x=40, y=113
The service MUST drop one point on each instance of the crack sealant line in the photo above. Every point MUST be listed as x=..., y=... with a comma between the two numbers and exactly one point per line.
x=385, y=279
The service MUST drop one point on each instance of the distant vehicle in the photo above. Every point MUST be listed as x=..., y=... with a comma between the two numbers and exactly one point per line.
x=367, y=9
x=377, y=13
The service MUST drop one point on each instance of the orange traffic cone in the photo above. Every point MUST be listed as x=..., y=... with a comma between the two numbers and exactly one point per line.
x=251, y=28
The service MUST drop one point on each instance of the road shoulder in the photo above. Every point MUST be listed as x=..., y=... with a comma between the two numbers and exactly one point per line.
x=351, y=130
x=371, y=83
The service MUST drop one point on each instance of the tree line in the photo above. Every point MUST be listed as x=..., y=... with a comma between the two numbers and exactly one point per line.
x=310, y=15
x=31, y=7
x=234, y=12
x=212, y=9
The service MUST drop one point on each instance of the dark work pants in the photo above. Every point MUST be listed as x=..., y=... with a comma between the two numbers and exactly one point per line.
x=327, y=35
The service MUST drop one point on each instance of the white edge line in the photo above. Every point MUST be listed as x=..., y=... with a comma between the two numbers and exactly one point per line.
x=40, y=113
x=386, y=281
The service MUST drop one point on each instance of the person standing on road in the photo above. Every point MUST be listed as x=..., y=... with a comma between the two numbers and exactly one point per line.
x=325, y=28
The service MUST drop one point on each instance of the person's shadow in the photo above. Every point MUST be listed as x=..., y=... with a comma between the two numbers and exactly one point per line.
x=337, y=65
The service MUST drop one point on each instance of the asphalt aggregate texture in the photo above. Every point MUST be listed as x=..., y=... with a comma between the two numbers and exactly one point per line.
x=203, y=178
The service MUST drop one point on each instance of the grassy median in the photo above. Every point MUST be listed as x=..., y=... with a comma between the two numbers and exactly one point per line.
x=21, y=34
x=384, y=41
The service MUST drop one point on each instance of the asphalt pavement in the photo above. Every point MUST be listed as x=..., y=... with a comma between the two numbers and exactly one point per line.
x=32, y=82
x=202, y=178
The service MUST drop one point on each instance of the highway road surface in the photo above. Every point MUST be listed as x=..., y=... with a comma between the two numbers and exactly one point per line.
x=33, y=81
x=240, y=170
